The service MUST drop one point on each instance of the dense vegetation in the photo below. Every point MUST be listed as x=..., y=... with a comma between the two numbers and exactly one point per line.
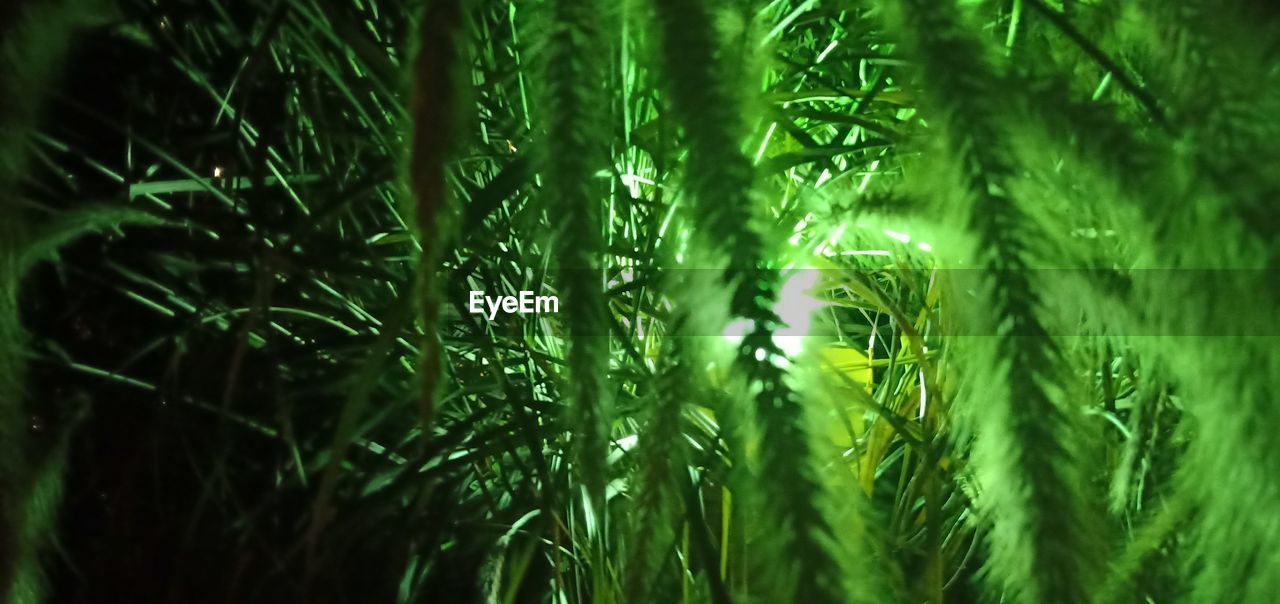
x=861, y=301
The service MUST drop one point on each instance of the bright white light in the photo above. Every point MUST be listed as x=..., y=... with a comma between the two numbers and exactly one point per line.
x=792, y=345
x=217, y=171
x=625, y=276
x=832, y=46
x=764, y=144
x=871, y=170
x=795, y=307
x=798, y=232
x=737, y=329
x=633, y=182
x=796, y=302
x=804, y=222
x=822, y=178
x=898, y=236
x=925, y=247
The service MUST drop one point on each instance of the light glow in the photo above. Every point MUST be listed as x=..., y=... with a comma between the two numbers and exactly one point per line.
x=737, y=329
x=897, y=236
x=795, y=307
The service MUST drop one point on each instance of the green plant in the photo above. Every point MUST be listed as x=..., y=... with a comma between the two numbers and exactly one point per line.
x=859, y=302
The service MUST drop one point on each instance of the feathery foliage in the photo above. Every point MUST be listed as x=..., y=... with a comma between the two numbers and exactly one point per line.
x=1026, y=455
x=574, y=112
x=435, y=112
x=33, y=43
x=858, y=302
x=719, y=178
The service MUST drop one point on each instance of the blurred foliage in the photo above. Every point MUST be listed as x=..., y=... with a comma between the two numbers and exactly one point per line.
x=860, y=301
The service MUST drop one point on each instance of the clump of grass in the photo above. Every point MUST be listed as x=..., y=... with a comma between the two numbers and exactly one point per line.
x=724, y=481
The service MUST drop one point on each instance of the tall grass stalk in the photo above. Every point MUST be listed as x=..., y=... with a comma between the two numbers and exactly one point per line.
x=1026, y=451
x=574, y=155
x=437, y=101
x=706, y=98
x=32, y=50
